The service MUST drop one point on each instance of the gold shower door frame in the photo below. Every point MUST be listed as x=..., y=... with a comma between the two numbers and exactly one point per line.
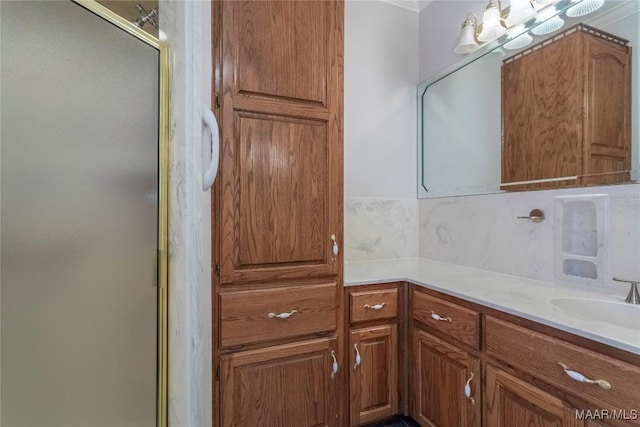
x=163, y=172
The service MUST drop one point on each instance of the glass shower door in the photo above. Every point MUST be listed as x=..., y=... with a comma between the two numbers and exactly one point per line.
x=79, y=142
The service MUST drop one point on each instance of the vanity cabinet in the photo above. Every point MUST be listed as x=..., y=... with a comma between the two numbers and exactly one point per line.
x=445, y=375
x=277, y=204
x=518, y=372
x=374, y=382
x=566, y=111
x=512, y=402
x=616, y=383
x=439, y=374
x=286, y=385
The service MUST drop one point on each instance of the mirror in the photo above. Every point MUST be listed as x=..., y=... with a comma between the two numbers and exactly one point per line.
x=459, y=110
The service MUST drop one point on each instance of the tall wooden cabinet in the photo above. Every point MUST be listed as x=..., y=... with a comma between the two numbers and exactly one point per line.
x=277, y=213
x=566, y=111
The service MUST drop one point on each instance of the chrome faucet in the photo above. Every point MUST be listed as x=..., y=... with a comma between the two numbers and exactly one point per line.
x=634, y=296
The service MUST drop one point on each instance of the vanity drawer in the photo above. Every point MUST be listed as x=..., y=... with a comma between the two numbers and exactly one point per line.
x=373, y=304
x=251, y=316
x=458, y=322
x=540, y=355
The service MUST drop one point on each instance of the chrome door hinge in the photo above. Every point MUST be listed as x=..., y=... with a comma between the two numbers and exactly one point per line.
x=217, y=268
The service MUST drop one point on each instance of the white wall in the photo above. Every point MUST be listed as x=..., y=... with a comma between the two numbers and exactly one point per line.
x=381, y=76
x=380, y=108
x=440, y=23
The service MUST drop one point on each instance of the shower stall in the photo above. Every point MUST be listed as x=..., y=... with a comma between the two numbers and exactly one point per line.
x=82, y=218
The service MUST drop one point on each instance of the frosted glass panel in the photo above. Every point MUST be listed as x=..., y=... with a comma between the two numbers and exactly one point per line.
x=78, y=228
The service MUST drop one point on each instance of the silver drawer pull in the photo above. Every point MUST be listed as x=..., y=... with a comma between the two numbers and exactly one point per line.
x=436, y=316
x=282, y=315
x=375, y=307
x=358, y=358
x=467, y=390
x=581, y=378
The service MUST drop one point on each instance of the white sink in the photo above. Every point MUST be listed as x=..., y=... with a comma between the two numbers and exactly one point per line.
x=617, y=313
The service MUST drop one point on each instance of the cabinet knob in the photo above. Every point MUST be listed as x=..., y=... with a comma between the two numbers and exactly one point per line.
x=358, y=358
x=282, y=315
x=334, y=367
x=577, y=376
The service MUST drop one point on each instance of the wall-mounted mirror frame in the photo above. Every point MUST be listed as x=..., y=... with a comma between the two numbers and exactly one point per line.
x=457, y=159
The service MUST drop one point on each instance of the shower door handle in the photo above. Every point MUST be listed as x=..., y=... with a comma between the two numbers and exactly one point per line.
x=209, y=174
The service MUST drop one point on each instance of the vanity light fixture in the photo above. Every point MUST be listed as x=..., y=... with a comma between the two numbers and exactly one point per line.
x=539, y=4
x=521, y=12
x=468, y=42
x=547, y=27
x=492, y=26
x=524, y=39
x=495, y=22
x=583, y=7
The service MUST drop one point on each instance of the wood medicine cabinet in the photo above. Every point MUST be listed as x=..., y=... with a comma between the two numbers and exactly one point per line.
x=566, y=111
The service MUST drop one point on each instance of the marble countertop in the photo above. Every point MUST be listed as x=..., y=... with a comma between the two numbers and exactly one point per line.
x=530, y=299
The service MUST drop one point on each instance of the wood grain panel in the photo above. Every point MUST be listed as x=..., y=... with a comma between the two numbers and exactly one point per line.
x=464, y=325
x=244, y=315
x=538, y=355
x=288, y=385
x=511, y=402
x=282, y=48
x=439, y=374
x=283, y=191
x=358, y=300
x=374, y=383
x=542, y=113
x=608, y=120
x=281, y=146
x=566, y=112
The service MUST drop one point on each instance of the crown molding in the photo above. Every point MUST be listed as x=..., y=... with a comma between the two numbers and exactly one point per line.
x=411, y=5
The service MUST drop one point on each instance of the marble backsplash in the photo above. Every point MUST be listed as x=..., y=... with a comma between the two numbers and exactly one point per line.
x=483, y=231
x=377, y=228
x=187, y=28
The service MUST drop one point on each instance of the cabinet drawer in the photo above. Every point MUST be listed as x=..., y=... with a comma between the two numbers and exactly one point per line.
x=540, y=355
x=373, y=304
x=250, y=316
x=458, y=322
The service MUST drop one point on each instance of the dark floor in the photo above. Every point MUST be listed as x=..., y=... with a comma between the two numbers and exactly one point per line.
x=398, y=421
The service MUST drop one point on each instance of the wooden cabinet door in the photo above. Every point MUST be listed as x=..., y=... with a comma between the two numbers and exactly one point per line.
x=608, y=104
x=281, y=151
x=439, y=374
x=542, y=115
x=513, y=402
x=288, y=385
x=374, y=377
